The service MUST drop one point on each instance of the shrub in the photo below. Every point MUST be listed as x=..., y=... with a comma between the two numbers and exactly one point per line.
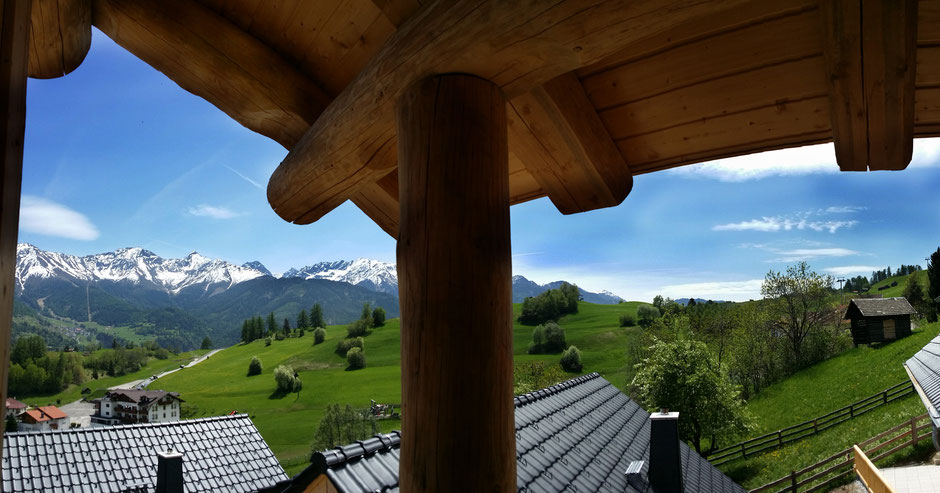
x=378, y=317
x=646, y=314
x=627, y=320
x=356, y=358
x=267, y=341
x=284, y=376
x=358, y=328
x=345, y=345
x=279, y=336
x=548, y=338
x=301, y=333
x=534, y=375
x=319, y=335
x=254, y=368
x=571, y=360
x=341, y=426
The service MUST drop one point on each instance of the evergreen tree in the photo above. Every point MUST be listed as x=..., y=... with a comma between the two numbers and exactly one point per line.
x=272, y=324
x=915, y=295
x=933, y=277
x=246, y=332
x=316, y=316
x=259, y=327
x=286, y=326
x=302, y=322
x=378, y=317
x=206, y=343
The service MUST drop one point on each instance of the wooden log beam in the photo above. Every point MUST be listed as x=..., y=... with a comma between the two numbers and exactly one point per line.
x=14, y=56
x=517, y=45
x=870, y=62
x=556, y=132
x=60, y=36
x=454, y=171
x=212, y=58
x=379, y=201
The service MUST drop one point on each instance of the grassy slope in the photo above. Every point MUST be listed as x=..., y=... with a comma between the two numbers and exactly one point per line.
x=894, y=291
x=220, y=385
x=830, y=385
x=153, y=366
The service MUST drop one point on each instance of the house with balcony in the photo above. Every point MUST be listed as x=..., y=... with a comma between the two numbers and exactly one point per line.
x=136, y=406
x=44, y=418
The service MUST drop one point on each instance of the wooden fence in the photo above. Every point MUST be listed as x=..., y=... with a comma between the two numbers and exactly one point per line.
x=822, y=474
x=869, y=474
x=794, y=433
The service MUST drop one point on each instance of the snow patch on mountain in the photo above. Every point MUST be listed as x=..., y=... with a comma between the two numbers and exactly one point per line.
x=368, y=273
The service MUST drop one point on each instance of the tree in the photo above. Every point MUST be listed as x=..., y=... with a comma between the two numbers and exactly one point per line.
x=548, y=338
x=571, y=359
x=933, y=277
x=366, y=313
x=246, y=331
x=691, y=302
x=797, y=301
x=683, y=376
x=206, y=343
x=11, y=424
x=356, y=358
x=627, y=320
x=286, y=327
x=647, y=314
x=915, y=295
x=341, y=426
x=319, y=335
x=659, y=302
x=285, y=378
x=378, y=317
x=316, y=316
x=254, y=368
x=302, y=322
x=358, y=328
x=272, y=324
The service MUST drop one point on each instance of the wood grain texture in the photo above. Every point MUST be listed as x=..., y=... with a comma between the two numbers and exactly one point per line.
x=398, y=11
x=455, y=225
x=60, y=36
x=889, y=42
x=556, y=132
x=210, y=57
x=842, y=25
x=518, y=46
x=14, y=59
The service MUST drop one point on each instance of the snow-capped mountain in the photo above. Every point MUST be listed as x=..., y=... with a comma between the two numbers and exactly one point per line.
x=523, y=288
x=135, y=265
x=371, y=274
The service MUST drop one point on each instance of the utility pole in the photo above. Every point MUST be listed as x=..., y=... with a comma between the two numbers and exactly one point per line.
x=842, y=291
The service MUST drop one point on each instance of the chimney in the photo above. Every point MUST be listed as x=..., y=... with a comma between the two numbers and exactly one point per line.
x=169, y=472
x=665, y=471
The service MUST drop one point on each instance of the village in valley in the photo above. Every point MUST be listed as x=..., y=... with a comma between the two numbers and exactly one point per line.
x=643, y=247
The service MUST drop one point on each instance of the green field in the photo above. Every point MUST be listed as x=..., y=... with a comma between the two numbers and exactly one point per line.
x=220, y=385
x=895, y=291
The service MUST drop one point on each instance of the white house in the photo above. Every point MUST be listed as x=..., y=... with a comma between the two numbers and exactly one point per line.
x=136, y=406
x=14, y=407
x=44, y=418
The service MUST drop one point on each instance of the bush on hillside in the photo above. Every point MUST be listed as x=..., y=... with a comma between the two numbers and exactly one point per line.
x=647, y=314
x=571, y=360
x=254, y=368
x=548, y=338
x=319, y=335
x=345, y=345
x=550, y=305
x=267, y=341
x=279, y=336
x=358, y=328
x=627, y=320
x=534, y=375
x=356, y=358
x=378, y=317
x=341, y=426
x=286, y=381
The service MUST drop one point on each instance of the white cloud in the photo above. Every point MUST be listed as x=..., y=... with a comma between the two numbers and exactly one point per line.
x=845, y=270
x=45, y=217
x=845, y=209
x=720, y=290
x=799, y=254
x=782, y=223
x=926, y=153
x=204, y=210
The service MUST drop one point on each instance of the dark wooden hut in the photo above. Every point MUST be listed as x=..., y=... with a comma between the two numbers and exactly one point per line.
x=879, y=319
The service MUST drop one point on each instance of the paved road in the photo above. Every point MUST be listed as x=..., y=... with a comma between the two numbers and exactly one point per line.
x=142, y=384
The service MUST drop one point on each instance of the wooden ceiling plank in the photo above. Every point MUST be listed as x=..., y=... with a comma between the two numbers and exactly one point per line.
x=841, y=25
x=556, y=132
x=60, y=36
x=889, y=43
x=210, y=57
x=397, y=11
x=518, y=46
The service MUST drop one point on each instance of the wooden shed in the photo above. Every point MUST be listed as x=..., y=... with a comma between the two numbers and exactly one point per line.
x=433, y=117
x=879, y=319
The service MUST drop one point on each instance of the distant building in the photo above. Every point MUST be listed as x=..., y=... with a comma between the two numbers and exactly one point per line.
x=44, y=418
x=136, y=406
x=15, y=408
x=879, y=319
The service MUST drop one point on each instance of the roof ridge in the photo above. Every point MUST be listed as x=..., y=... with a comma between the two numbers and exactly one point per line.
x=134, y=425
x=379, y=443
x=523, y=399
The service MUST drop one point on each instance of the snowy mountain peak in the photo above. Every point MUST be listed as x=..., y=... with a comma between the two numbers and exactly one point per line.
x=132, y=264
x=258, y=266
x=372, y=274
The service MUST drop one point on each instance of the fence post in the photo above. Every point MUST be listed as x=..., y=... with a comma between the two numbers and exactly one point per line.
x=815, y=427
x=793, y=481
x=779, y=438
x=743, y=450
x=914, y=432
x=885, y=396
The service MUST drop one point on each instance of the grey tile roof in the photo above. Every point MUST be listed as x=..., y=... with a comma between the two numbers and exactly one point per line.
x=924, y=368
x=882, y=307
x=579, y=435
x=223, y=453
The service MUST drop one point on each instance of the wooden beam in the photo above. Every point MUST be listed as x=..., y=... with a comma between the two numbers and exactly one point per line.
x=557, y=133
x=397, y=11
x=60, y=36
x=870, y=63
x=518, y=46
x=455, y=225
x=379, y=201
x=212, y=58
x=14, y=56
x=889, y=42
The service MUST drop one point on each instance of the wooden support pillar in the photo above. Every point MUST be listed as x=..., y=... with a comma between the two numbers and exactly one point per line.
x=455, y=270
x=14, y=36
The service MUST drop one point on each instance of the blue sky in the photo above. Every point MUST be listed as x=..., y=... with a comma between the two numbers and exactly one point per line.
x=118, y=155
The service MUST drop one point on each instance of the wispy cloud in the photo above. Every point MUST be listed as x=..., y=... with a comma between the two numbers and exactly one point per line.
x=249, y=180
x=780, y=223
x=799, y=254
x=204, y=210
x=526, y=254
x=45, y=217
x=719, y=290
x=845, y=270
x=845, y=209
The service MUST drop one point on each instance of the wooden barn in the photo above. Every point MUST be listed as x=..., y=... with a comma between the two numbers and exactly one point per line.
x=879, y=319
x=434, y=117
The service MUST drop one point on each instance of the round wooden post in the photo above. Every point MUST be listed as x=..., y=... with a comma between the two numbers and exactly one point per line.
x=454, y=267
